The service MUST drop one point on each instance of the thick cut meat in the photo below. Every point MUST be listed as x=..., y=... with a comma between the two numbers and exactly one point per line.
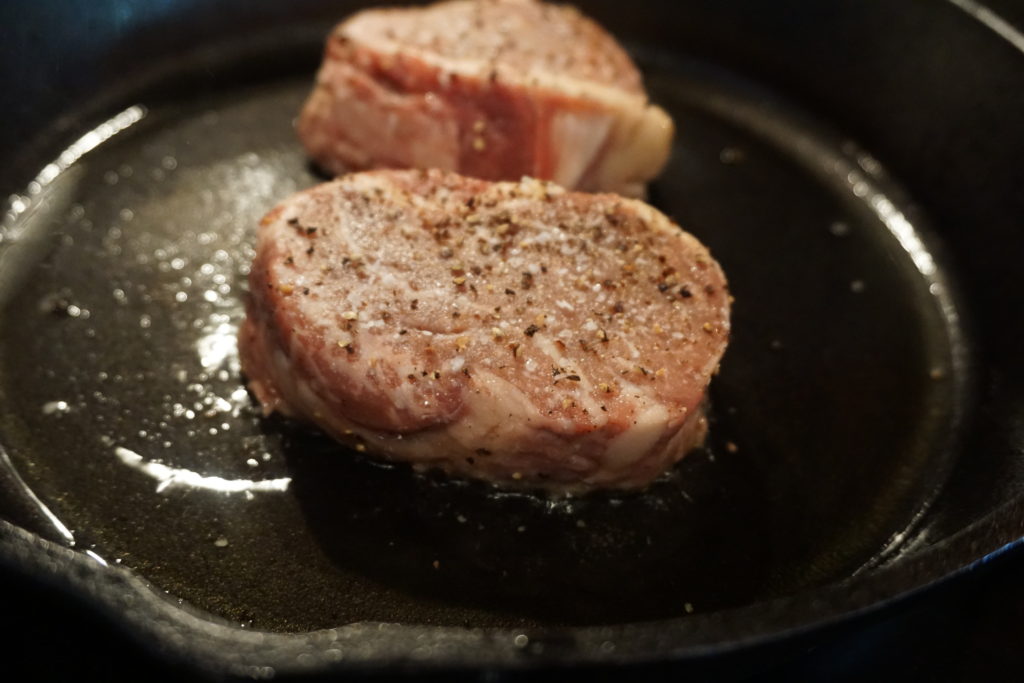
x=512, y=332
x=495, y=89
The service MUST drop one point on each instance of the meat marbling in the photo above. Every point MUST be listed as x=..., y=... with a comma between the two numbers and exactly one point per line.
x=494, y=89
x=511, y=332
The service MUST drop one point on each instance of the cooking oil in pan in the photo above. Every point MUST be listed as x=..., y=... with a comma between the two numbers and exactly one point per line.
x=122, y=281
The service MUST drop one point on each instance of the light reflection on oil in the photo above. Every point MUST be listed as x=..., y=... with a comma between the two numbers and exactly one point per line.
x=176, y=477
x=18, y=204
x=218, y=344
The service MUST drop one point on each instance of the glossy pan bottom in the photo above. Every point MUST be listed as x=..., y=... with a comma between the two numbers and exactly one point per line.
x=122, y=278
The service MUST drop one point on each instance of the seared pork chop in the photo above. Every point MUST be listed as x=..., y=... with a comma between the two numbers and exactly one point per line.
x=511, y=332
x=495, y=89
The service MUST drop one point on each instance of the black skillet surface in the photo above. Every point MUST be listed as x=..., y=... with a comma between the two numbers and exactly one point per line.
x=844, y=403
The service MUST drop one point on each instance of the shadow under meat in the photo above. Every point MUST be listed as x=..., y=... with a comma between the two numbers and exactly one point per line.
x=690, y=542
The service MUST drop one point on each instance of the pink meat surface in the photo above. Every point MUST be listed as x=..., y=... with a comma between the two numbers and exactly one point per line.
x=511, y=332
x=495, y=89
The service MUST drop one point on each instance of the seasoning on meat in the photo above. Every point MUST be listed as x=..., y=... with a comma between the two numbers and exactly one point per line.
x=569, y=385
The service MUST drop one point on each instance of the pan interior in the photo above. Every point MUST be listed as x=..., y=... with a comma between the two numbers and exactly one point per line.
x=122, y=278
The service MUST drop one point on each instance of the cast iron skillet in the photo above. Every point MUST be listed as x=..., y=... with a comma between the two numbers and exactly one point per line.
x=853, y=170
